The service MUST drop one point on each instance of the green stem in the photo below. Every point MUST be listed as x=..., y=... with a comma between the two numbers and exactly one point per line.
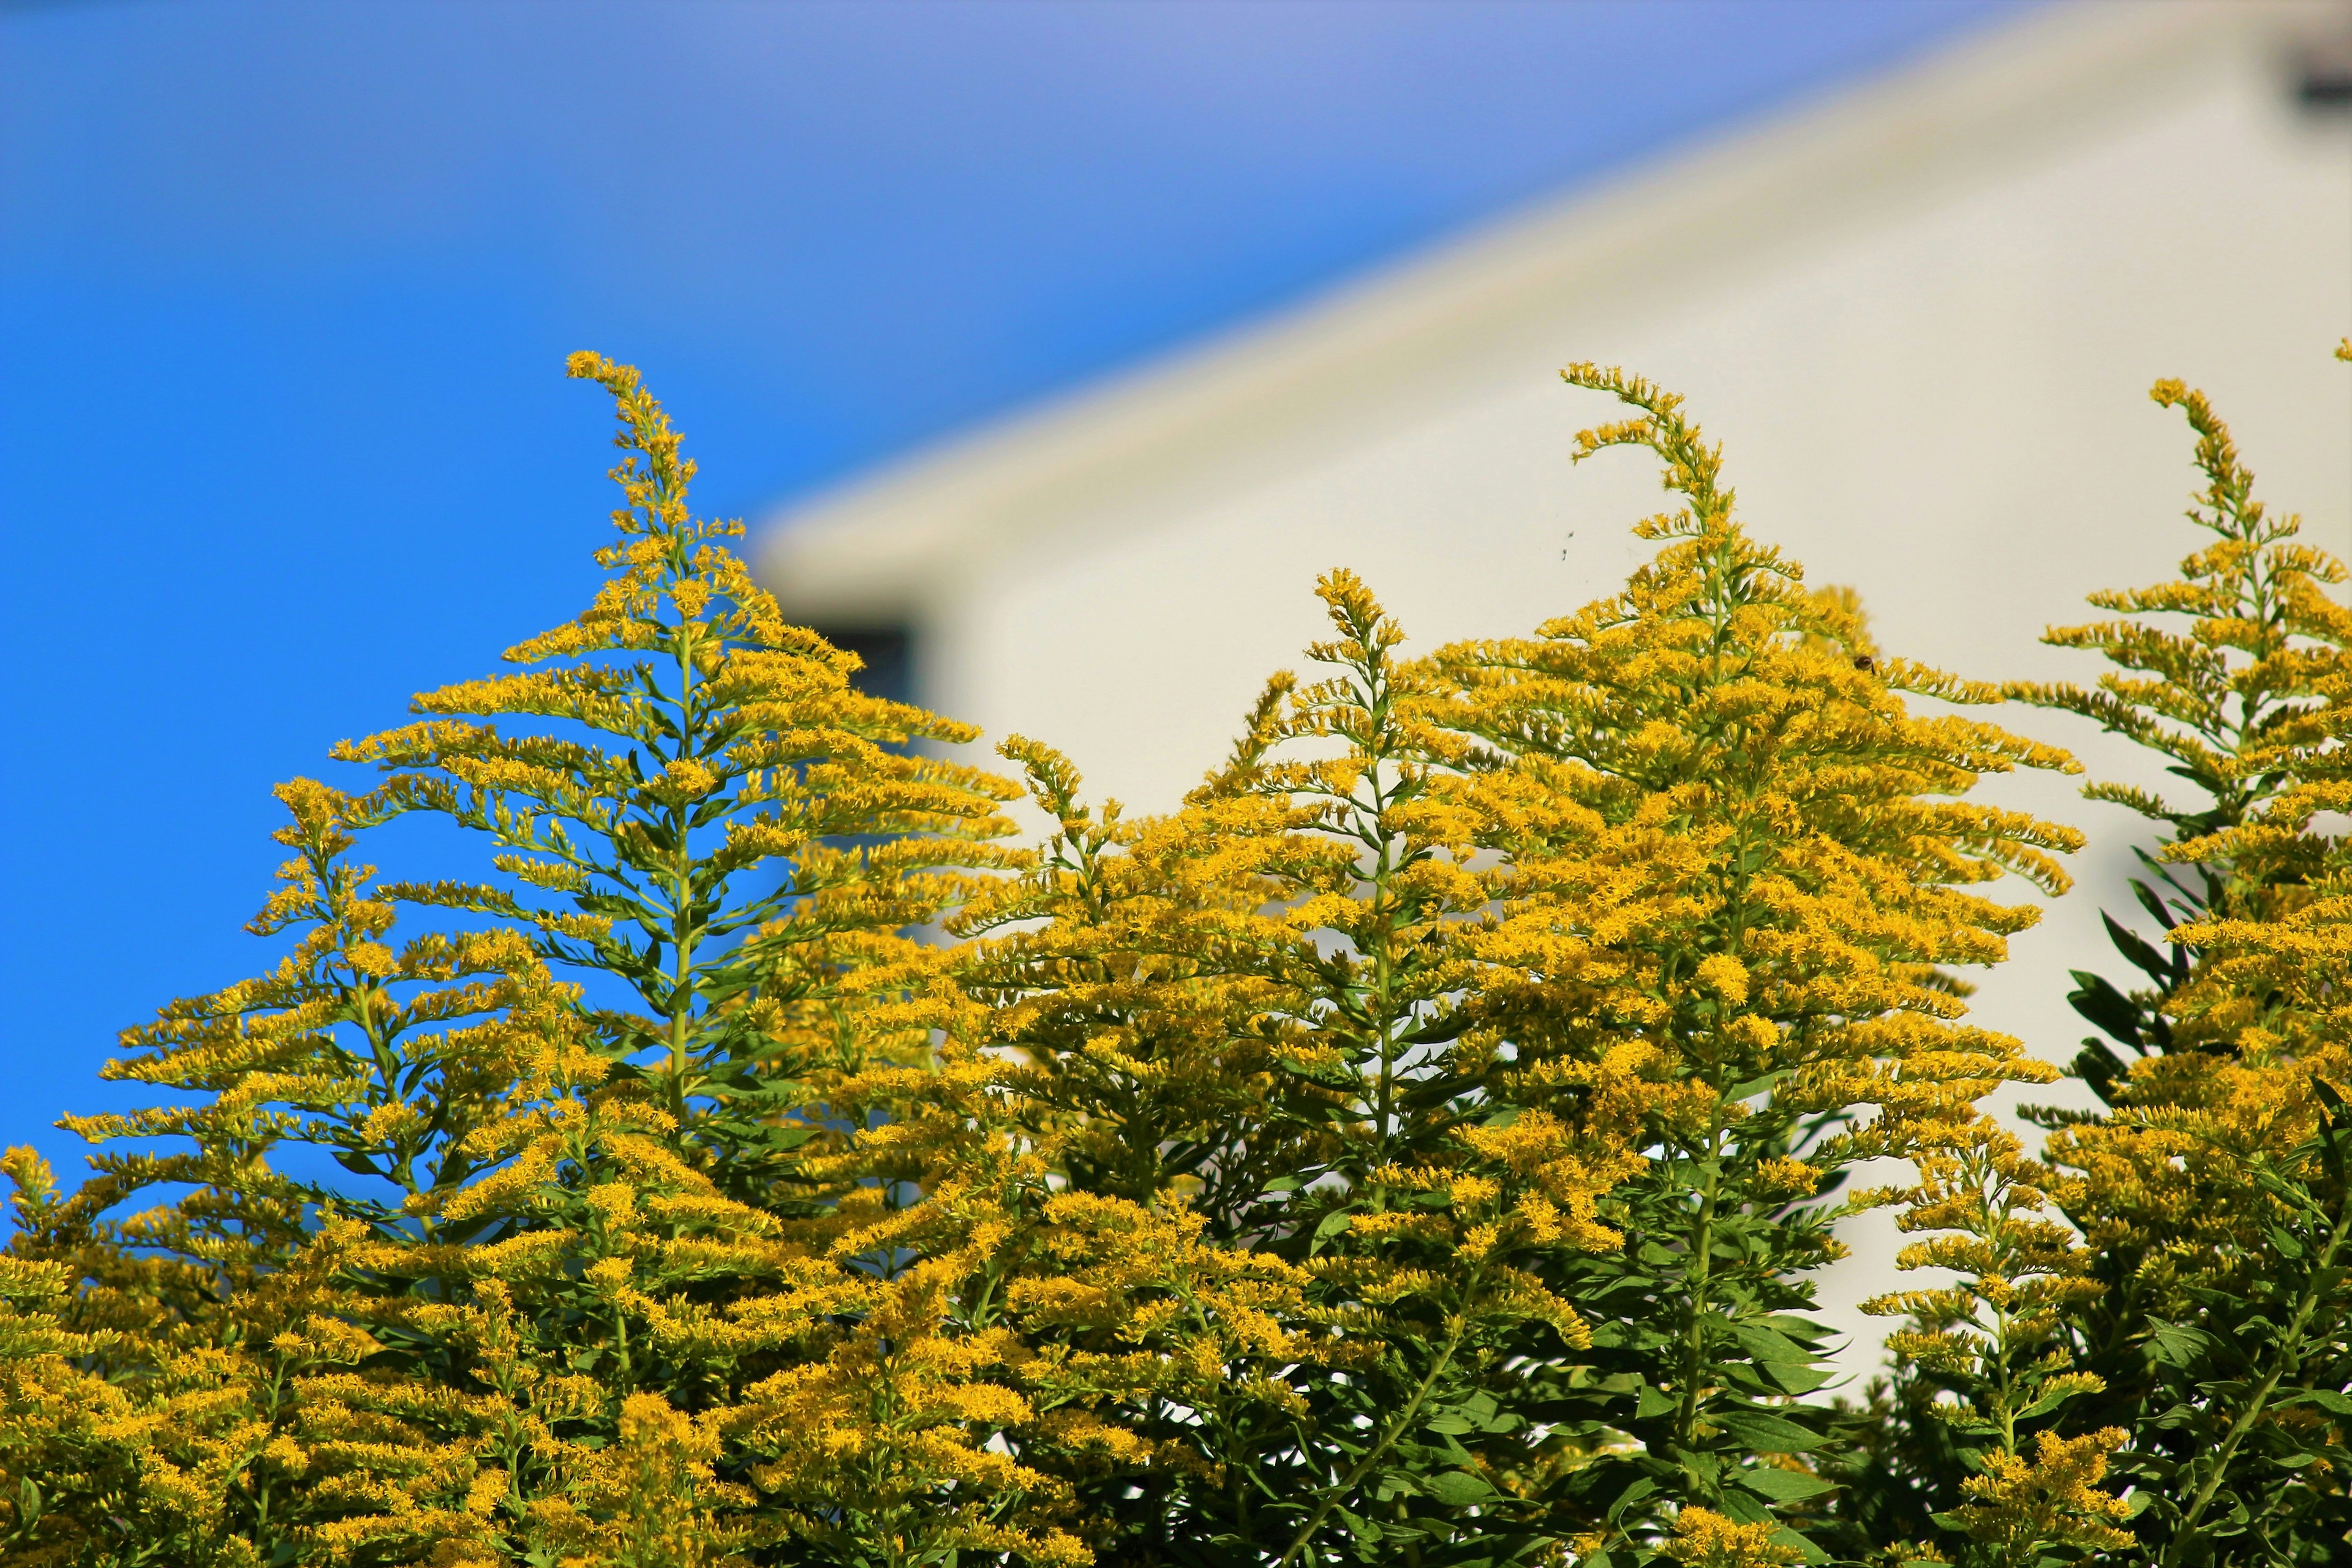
x=1383, y=935
x=2290, y=1350
x=681, y=997
x=1383, y=998
x=1701, y=1277
x=1397, y=1428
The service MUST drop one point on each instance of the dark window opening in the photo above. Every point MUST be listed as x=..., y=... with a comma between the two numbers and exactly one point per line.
x=2323, y=76
x=888, y=653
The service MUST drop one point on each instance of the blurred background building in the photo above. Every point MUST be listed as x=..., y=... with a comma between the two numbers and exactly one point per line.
x=1921, y=313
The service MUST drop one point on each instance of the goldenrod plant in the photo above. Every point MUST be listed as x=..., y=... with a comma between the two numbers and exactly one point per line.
x=2220, y=702
x=2177, y=1347
x=697, y=803
x=192, y=1333
x=1252, y=1023
x=1743, y=866
x=631, y=1137
x=1461, y=973
x=1420, y=1149
x=2215, y=1187
x=1986, y=1361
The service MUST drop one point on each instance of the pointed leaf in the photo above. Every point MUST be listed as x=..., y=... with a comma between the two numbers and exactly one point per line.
x=1781, y=1485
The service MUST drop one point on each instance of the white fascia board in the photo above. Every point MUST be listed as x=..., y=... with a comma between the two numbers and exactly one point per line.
x=896, y=544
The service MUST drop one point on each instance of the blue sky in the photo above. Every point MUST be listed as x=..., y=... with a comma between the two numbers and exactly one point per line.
x=285, y=292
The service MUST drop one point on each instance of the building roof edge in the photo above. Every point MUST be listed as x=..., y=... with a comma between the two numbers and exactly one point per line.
x=887, y=544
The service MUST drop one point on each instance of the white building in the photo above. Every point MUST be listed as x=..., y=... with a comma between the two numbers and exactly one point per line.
x=1921, y=315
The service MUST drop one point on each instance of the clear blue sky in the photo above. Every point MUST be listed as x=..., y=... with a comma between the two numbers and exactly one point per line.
x=285, y=292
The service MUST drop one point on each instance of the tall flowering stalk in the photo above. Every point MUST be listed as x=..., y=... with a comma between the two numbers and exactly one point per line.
x=665, y=1170
x=2216, y=1186
x=695, y=801
x=1739, y=866
x=1244, y=1027
x=2175, y=1349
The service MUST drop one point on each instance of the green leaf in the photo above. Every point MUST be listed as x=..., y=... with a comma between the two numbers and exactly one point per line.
x=2177, y=1345
x=2327, y=1399
x=1643, y=1488
x=1796, y=1378
x=1766, y=1434
x=2047, y=1402
x=1784, y=1536
x=2153, y=902
x=1333, y=1224
x=2101, y=1004
x=1457, y=1489
x=1755, y=1086
x=1768, y=1344
x=2157, y=966
x=1781, y=1485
